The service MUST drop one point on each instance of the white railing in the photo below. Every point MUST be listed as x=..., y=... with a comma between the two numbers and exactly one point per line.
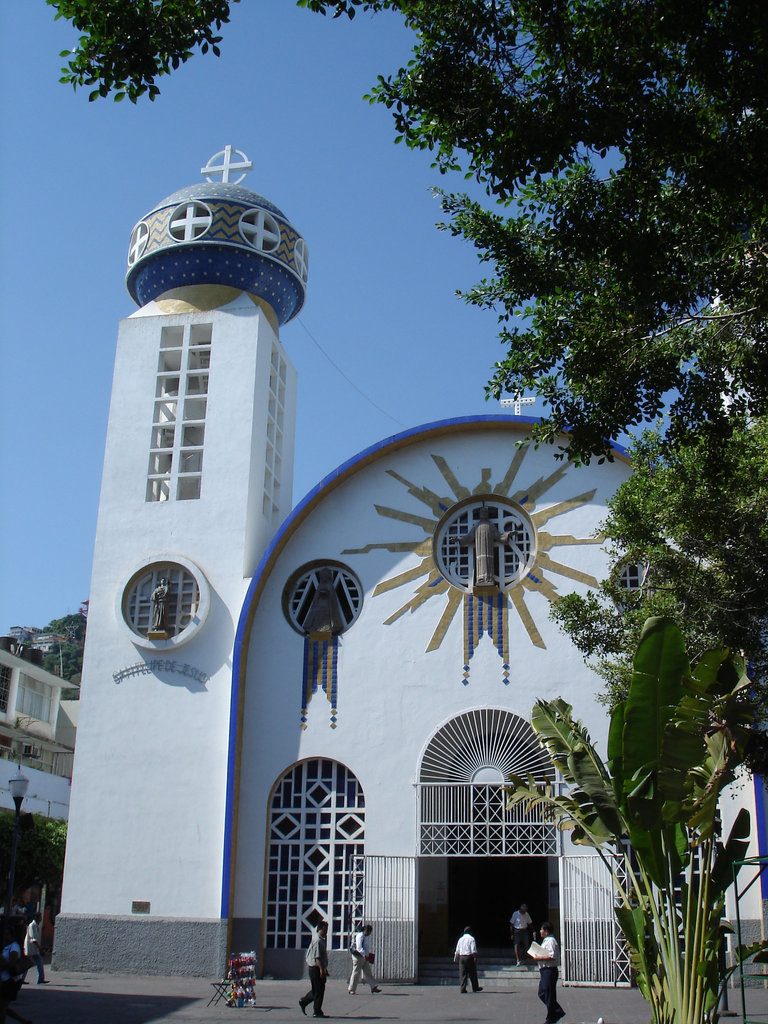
x=385, y=897
x=472, y=820
x=593, y=948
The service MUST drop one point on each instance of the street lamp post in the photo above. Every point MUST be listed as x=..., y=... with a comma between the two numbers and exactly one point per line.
x=18, y=786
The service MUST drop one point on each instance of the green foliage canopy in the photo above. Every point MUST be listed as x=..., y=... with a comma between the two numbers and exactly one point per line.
x=127, y=44
x=626, y=143
x=693, y=518
x=67, y=661
x=40, y=851
x=72, y=626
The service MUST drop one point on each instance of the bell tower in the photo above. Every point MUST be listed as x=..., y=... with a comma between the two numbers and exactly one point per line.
x=197, y=477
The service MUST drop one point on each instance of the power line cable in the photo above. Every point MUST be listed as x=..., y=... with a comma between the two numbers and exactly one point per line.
x=346, y=378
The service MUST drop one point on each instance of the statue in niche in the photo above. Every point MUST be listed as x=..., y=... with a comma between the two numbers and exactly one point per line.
x=160, y=606
x=484, y=536
x=324, y=618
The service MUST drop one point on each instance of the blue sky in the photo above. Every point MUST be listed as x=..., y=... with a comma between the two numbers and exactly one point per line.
x=76, y=176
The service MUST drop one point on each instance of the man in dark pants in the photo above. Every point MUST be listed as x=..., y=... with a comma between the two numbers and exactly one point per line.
x=466, y=957
x=548, y=974
x=317, y=964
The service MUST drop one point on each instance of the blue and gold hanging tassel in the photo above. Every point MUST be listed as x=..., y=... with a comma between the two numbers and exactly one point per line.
x=486, y=613
x=320, y=673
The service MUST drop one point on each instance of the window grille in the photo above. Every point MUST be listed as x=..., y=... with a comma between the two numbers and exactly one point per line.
x=462, y=803
x=514, y=545
x=594, y=951
x=301, y=258
x=273, y=462
x=302, y=588
x=632, y=576
x=316, y=832
x=182, y=602
x=383, y=894
x=178, y=423
x=260, y=229
x=189, y=221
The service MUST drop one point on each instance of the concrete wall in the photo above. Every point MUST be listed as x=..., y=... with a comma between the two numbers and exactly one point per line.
x=147, y=818
x=132, y=945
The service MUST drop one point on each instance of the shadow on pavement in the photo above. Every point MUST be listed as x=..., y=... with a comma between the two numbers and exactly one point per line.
x=66, y=1004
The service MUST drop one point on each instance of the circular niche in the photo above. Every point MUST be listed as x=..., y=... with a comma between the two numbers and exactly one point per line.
x=260, y=229
x=322, y=599
x=189, y=221
x=164, y=603
x=138, y=242
x=484, y=543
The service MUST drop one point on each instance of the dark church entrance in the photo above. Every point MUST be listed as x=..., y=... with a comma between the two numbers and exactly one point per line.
x=483, y=892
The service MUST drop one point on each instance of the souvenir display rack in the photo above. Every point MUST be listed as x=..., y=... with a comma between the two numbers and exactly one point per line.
x=241, y=979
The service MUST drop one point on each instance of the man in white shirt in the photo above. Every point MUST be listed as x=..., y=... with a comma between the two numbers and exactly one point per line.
x=32, y=947
x=548, y=974
x=466, y=957
x=519, y=924
x=361, y=960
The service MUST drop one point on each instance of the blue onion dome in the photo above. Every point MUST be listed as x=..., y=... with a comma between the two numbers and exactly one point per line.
x=219, y=233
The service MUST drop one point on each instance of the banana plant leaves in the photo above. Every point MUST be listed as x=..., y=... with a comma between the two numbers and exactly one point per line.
x=673, y=746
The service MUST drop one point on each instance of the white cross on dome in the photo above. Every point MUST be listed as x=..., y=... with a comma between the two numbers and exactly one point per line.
x=227, y=165
x=517, y=403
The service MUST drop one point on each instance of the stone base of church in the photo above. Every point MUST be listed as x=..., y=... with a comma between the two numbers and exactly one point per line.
x=131, y=945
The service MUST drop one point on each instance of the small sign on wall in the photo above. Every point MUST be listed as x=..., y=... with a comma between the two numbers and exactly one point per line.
x=140, y=906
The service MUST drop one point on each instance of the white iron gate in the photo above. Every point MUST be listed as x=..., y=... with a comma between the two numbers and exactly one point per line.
x=385, y=897
x=593, y=948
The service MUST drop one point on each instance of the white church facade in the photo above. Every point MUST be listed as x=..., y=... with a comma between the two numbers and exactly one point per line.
x=292, y=713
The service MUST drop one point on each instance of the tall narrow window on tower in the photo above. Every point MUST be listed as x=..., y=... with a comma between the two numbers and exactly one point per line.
x=178, y=425
x=275, y=428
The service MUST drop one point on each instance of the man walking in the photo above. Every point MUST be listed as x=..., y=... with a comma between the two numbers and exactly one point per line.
x=361, y=960
x=519, y=924
x=466, y=956
x=548, y=974
x=317, y=964
x=32, y=947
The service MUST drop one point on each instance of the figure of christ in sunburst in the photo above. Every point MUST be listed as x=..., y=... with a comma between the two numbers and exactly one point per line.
x=482, y=549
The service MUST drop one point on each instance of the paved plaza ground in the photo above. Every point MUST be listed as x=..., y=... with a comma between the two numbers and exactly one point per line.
x=111, y=999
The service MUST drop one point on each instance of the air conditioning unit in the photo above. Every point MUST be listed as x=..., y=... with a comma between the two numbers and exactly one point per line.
x=30, y=750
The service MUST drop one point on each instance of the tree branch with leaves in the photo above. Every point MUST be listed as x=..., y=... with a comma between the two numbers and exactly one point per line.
x=691, y=524
x=127, y=44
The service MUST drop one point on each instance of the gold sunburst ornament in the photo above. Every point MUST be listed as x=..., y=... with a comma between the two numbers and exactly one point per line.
x=483, y=548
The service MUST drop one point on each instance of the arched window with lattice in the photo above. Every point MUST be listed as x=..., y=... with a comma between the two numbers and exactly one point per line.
x=462, y=803
x=316, y=831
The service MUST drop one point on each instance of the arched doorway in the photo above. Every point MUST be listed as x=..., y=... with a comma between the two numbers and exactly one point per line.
x=478, y=859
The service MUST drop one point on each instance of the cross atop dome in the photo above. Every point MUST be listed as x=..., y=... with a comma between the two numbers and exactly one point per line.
x=222, y=171
x=517, y=402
